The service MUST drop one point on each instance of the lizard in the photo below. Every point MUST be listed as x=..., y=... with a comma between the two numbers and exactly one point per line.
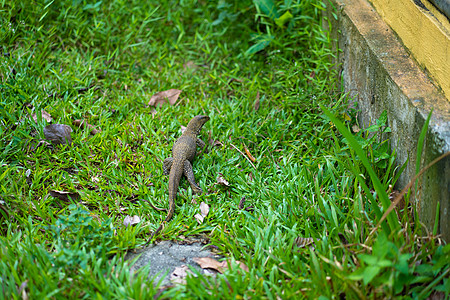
x=183, y=154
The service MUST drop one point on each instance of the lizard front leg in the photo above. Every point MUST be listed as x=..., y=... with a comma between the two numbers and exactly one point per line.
x=187, y=170
x=200, y=144
x=167, y=165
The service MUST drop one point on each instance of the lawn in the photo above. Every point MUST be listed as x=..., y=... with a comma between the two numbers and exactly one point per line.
x=296, y=190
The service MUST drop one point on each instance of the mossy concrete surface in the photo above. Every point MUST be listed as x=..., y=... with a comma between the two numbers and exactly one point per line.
x=380, y=75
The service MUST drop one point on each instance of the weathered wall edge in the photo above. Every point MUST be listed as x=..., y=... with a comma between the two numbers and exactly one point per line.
x=379, y=73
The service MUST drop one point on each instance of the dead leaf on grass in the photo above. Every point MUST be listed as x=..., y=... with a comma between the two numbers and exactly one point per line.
x=257, y=101
x=204, y=209
x=85, y=124
x=23, y=290
x=355, y=128
x=222, y=181
x=179, y=274
x=199, y=218
x=302, y=242
x=65, y=196
x=249, y=155
x=219, y=266
x=241, y=203
x=211, y=263
x=45, y=115
x=131, y=220
x=163, y=97
x=58, y=134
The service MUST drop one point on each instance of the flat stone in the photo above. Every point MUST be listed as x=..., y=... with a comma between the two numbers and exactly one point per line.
x=165, y=256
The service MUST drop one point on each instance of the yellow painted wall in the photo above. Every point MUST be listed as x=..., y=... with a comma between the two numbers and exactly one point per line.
x=426, y=33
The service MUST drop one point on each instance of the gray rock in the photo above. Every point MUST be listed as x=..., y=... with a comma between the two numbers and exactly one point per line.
x=58, y=134
x=166, y=256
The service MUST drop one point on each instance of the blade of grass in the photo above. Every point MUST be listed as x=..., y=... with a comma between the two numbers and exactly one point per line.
x=384, y=198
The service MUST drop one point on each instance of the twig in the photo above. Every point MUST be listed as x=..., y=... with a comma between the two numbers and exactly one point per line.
x=243, y=155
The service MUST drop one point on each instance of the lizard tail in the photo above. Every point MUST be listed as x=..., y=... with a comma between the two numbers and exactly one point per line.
x=174, y=181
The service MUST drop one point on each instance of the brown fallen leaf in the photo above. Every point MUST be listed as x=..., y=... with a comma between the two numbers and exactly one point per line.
x=163, y=97
x=45, y=115
x=242, y=203
x=302, y=242
x=250, y=156
x=179, y=274
x=58, y=134
x=23, y=290
x=222, y=181
x=355, y=128
x=204, y=209
x=217, y=143
x=64, y=195
x=250, y=177
x=257, y=101
x=211, y=263
x=199, y=218
x=85, y=124
x=131, y=220
x=219, y=266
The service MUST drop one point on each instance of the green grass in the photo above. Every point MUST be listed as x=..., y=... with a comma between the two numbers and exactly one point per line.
x=102, y=62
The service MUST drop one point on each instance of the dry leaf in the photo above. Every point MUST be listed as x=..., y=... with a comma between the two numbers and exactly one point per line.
x=58, y=134
x=222, y=181
x=163, y=97
x=179, y=274
x=302, y=242
x=249, y=155
x=23, y=290
x=355, y=128
x=83, y=124
x=199, y=218
x=211, y=263
x=250, y=177
x=217, y=143
x=204, y=209
x=64, y=195
x=242, y=266
x=131, y=220
x=241, y=203
x=257, y=101
x=45, y=115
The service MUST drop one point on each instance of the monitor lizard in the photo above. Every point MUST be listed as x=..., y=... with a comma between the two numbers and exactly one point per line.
x=183, y=153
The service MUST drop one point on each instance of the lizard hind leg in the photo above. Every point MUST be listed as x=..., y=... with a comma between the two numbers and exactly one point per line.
x=187, y=170
x=167, y=165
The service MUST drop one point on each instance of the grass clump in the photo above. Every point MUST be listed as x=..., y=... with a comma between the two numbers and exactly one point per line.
x=261, y=70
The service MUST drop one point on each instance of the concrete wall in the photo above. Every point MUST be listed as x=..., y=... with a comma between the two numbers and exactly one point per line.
x=379, y=73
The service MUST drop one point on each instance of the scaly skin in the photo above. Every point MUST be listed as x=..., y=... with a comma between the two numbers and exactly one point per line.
x=183, y=153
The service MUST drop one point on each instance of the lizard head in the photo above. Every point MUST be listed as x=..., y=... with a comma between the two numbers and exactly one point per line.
x=197, y=123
